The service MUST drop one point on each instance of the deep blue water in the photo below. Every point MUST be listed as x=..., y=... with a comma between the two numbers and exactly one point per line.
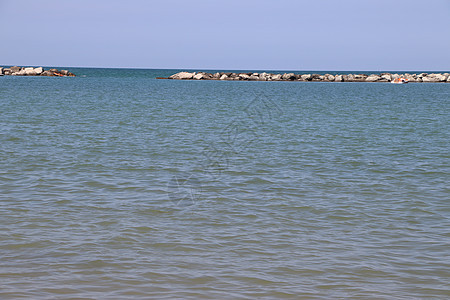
x=116, y=185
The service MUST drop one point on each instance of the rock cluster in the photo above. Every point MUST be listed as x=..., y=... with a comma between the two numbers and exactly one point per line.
x=21, y=71
x=383, y=77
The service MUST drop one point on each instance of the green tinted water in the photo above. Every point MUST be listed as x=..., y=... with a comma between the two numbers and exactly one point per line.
x=117, y=185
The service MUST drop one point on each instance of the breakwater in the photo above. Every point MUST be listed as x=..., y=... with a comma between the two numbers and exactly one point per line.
x=382, y=77
x=31, y=71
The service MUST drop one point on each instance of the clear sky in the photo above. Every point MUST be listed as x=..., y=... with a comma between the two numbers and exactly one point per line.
x=233, y=34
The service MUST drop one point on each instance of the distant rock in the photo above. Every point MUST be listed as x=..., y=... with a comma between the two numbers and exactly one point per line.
x=39, y=70
x=181, y=75
x=276, y=77
x=373, y=78
x=288, y=76
x=306, y=77
x=338, y=78
x=198, y=76
x=254, y=76
x=15, y=69
x=244, y=76
x=29, y=72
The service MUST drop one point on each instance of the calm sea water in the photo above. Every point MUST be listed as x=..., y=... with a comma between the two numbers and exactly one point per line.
x=117, y=186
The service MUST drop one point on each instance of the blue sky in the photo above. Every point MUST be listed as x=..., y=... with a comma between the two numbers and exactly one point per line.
x=208, y=34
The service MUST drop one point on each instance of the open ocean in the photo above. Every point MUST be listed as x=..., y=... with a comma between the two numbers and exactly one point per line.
x=116, y=185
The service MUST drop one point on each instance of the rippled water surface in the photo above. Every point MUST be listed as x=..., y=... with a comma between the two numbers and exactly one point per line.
x=117, y=186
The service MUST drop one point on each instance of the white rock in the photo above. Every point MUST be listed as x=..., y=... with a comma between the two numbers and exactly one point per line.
x=276, y=77
x=244, y=76
x=29, y=71
x=306, y=77
x=387, y=77
x=331, y=77
x=198, y=76
x=224, y=77
x=338, y=78
x=183, y=75
x=38, y=71
x=373, y=78
x=430, y=78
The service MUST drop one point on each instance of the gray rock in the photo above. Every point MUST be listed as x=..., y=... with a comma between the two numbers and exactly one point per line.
x=253, y=77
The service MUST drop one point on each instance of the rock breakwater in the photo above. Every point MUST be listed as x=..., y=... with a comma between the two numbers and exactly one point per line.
x=383, y=77
x=31, y=71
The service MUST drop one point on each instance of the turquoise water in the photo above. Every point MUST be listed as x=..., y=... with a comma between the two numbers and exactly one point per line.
x=117, y=185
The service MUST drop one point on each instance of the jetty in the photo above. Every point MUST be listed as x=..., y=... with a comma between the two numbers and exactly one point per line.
x=31, y=71
x=383, y=77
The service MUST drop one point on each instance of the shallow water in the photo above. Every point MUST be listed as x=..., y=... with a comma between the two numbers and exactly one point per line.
x=118, y=185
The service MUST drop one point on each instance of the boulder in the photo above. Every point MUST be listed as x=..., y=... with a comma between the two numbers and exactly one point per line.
x=288, y=76
x=15, y=69
x=180, y=75
x=39, y=70
x=306, y=77
x=29, y=72
x=338, y=78
x=20, y=73
x=1, y=71
x=434, y=78
x=430, y=79
x=198, y=76
x=331, y=77
x=254, y=77
x=386, y=76
x=64, y=72
x=244, y=76
x=360, y=77
x=224, y=77
x=7, y=71
x=263, y=76
x=440, y=77
x=276, y=77
x=47, y=73
x=216, y=75
x=373, y=78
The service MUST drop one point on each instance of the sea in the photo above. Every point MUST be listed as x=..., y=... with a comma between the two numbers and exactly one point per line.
x=118, y=185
